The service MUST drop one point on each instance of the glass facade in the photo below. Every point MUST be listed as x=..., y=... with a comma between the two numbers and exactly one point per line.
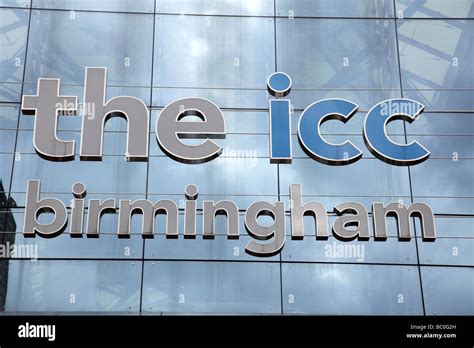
x=365, y=51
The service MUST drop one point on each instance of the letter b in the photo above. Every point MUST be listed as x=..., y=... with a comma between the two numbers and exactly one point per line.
x=35, y=207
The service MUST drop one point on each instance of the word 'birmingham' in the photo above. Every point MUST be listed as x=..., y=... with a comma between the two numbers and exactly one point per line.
x=172, y=125
x=352, y=219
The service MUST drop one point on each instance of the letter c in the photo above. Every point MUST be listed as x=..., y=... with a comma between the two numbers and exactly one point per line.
x=375, y=132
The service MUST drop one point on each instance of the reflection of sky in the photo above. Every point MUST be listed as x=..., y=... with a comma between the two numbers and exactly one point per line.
x=436, y=55
x=12, y=40
x=427, y=50
x=227, y=7
x=213, y=52
x=345, y=289
x=443, y=177
x=13, y=32
x=436, y=8
x=96, y=286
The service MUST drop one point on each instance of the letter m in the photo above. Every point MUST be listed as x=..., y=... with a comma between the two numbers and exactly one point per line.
x=402, y=215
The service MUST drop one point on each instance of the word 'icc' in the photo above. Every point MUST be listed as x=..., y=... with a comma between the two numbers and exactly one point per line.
x=172, y=126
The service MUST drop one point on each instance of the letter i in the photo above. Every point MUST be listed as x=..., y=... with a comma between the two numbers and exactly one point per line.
x=77, y=214
x=279, y=85
x=191, y=193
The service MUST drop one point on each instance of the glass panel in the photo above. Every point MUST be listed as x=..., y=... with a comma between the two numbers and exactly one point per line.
x=246, y=122
x=365, y=98
x=112, y=175
x=7, y=140
x=436, y=54
x=453, y=227
x=14, y=3
x=102, y=5
x=216, y=52
x=64, y=247
x=221, y=7
x=219, y=248
x=16, y=219
x=351, y=289
x=438, y=177
x=232, y=176
x=334, y=8
x=366, y=177
x=435, y=8
x=447, y=251
x=443, y=124
x=443, y=100
x=10, y=92
x=311, y=250
x=224, y=98
x=13, y=34
x=73, y=286
x=244, y=146
x=215, y=287
x=448, y=205
x=448, y=290
x=8, y=117
x=5, y=171
x=75, y=41
x=452, y=147
x=7, y=221
x=335, y=53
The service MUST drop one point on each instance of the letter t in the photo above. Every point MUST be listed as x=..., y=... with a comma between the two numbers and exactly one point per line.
x=46, y=105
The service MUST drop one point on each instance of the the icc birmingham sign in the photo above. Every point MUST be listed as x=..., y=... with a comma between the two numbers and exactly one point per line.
x=352, y=218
